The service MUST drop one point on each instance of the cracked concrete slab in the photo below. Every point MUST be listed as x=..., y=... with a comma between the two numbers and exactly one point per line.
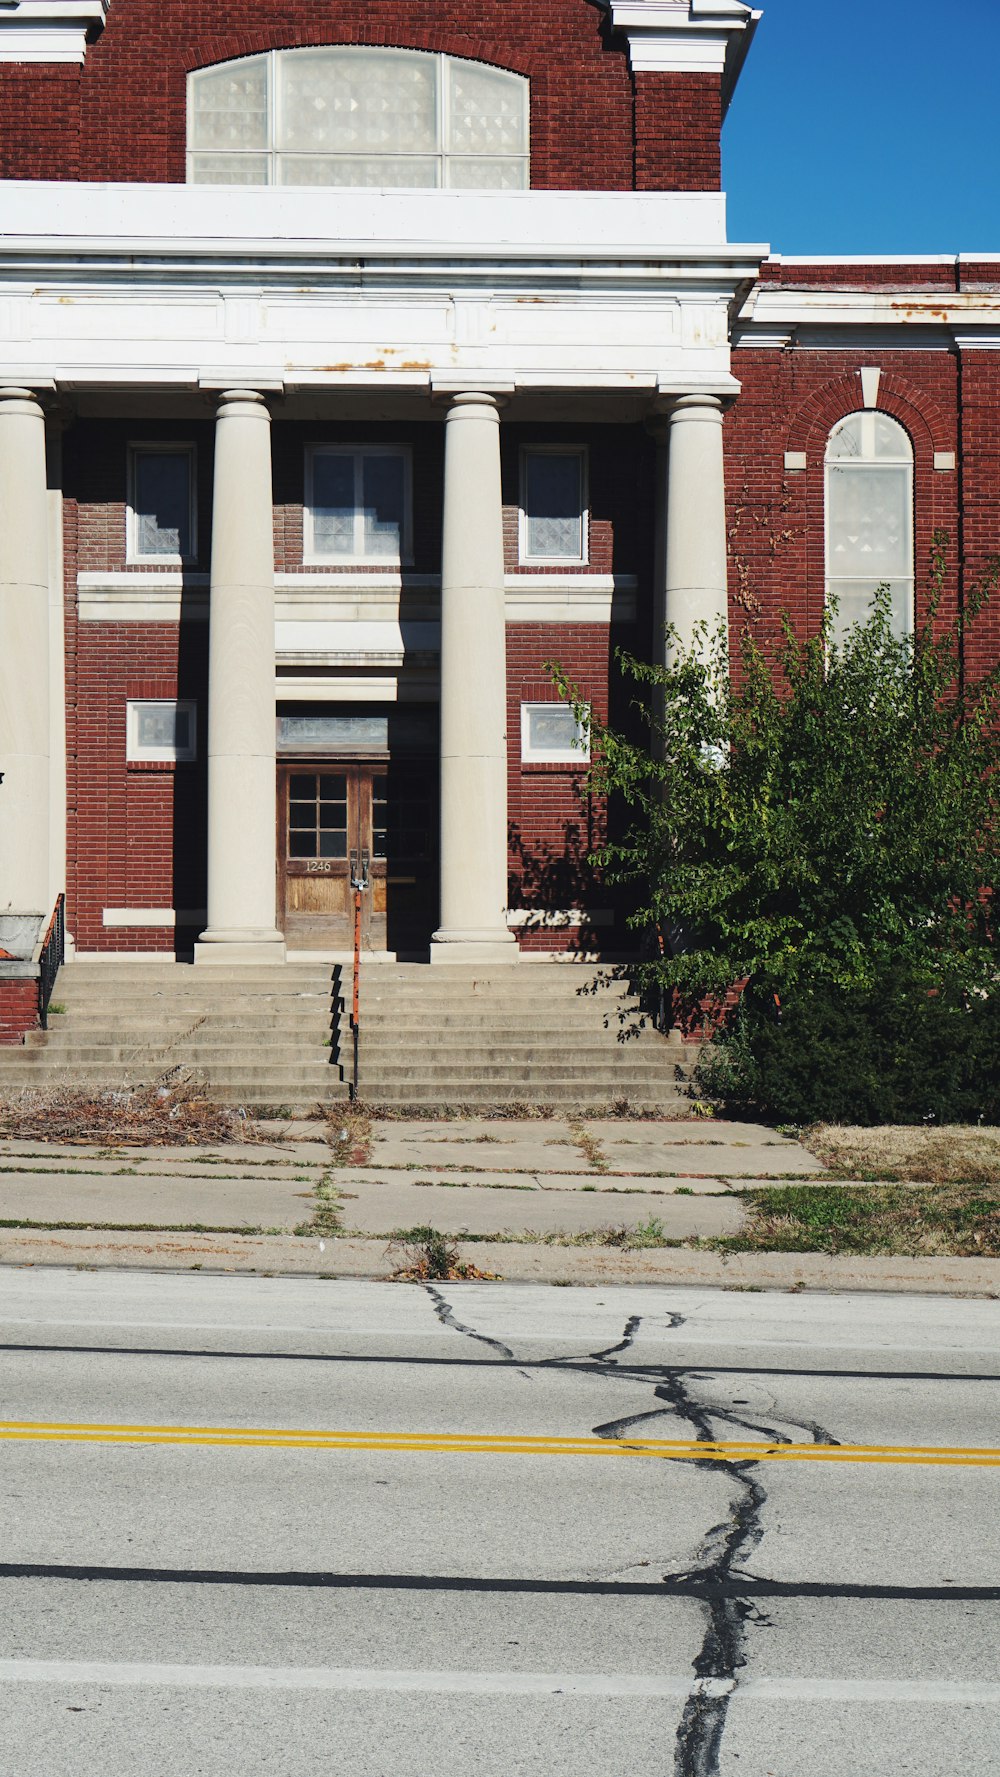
x=381, y=1208
x=325, y=1257
x=722, y=1160
x=163, y=1201
x=520, y=1152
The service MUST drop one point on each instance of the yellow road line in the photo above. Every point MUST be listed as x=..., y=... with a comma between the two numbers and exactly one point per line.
x=467, y=1444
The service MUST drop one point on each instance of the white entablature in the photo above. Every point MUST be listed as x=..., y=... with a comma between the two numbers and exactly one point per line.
x=48, y=30
x=687, y=36
x=207, y=286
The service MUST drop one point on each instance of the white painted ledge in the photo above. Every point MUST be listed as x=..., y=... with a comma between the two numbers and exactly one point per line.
x=351, y=613
x=48, y=30
x=541, y=919
x=439, y=224
x=153, y=918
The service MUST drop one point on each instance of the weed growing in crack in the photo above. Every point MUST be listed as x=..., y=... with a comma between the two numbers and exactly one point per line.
x=588, y=1145
x=428, y=1256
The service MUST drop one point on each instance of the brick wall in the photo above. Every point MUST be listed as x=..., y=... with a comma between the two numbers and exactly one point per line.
x=136, y=832
x=790, y=402
x=39, y=121
x=18, y=1010
x=678, y=129
x=981, y=506
x=123, y=116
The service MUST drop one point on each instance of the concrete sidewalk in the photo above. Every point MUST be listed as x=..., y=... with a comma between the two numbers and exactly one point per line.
x=525, y=1190
x=539, y=1178
x=283, y=1255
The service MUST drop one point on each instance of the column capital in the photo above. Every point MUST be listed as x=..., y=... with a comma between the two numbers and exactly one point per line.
x=474, y=404
x=18, y=400
x=696, y=407
x=458, y=386
x=249, y=403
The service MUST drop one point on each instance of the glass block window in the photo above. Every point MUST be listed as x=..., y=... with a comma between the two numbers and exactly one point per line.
x=869, y=519
x=358, y=504
x=161, y=511
x=553, y=525
x=358, y=116
x=551, y=735
x=161, y=731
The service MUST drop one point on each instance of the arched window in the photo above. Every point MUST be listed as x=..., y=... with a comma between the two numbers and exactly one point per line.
x=356, y=116
x=869, y=518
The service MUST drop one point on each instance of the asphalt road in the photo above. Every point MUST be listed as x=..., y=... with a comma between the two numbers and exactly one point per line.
x=294, y=1526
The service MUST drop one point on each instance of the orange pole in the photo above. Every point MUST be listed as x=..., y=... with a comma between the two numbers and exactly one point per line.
x=355, y=1003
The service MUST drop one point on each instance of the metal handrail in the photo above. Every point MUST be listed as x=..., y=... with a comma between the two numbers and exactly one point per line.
x=51, y=959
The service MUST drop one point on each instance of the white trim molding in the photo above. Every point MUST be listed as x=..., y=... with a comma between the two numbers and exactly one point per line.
x=542, y=919
x=153, y=917
x=687, y=36
x=198, y=286
x=49, y=30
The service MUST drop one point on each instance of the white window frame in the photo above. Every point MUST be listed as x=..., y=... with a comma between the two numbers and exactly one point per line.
x=442, y=154
x=163, y=447
x=314, y=558
x=554, y=450
x=906, y=460
x=574, y=754
x=136, y=754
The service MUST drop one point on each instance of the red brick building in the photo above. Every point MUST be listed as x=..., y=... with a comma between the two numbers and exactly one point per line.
x=354, y=363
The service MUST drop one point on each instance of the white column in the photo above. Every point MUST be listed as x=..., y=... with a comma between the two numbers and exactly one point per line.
x=24, y=657
x=241, y=741
x=691, y=551
x=473, y=694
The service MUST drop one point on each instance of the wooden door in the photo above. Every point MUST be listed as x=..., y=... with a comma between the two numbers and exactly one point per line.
x=328, y=811
x=329, y=815
x=314, y=843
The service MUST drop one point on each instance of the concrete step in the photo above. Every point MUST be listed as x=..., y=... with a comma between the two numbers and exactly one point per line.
x=561, y=1098
x=433, y=1057
x=504, y=1073
x=202, y=1056
x=157, y=1032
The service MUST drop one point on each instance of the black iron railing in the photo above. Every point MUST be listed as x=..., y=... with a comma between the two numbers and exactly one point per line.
x=51, y=960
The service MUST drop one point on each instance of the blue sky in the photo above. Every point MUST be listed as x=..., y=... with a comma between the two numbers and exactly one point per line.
x=868, y=126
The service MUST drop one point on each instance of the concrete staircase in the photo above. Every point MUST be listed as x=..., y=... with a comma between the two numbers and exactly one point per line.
x=250, y=1036
x=535, y=1034
x=430, y=1036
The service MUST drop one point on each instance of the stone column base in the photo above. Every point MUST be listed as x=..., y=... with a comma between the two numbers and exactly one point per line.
x=476, y=948
x=222, y=946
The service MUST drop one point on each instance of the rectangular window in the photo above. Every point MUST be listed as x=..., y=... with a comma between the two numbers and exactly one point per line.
x=358, y=504
x=551, y=735
x=161, y=512
x=553, y=522
x=161, y=730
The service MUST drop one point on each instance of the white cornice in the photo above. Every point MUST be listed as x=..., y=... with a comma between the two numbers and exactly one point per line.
x=208, y=287
x=687, y=36
x=49, y=30
x=774, y=314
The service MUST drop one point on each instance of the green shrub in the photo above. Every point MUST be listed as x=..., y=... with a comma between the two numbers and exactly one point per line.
x=891, y=1053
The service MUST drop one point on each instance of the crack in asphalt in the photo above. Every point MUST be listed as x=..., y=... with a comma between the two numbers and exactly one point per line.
x=725, y=1548
x=448, y=1318
x=627, y=1339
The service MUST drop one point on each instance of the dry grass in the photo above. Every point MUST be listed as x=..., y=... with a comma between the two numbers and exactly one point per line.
x=139, y=1116
x=933, y=1156
x=349, y=1132
x=895, y=1221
